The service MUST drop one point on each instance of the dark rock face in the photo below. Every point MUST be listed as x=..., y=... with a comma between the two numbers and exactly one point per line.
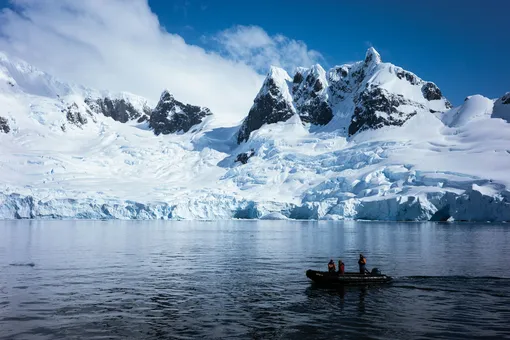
x=506, y=99
x=296, y=81
x=502, y=108
x=316, y=112
x=411, y=78
x=358, y=76
x=244, y=156
x=268, y=108
x=311, y=106
x=374, y=101
x=143, y=119
x=171, y=116
x=431, y=91
x=74, y=116
x=298, y=78
x=119, y=110
x=339, y=83
x=4, y=125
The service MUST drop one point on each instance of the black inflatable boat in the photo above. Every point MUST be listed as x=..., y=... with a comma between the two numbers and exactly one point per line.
x=335, y=278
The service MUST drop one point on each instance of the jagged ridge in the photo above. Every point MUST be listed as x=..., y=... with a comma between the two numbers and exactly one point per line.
x=365, y=95
x=171, y=116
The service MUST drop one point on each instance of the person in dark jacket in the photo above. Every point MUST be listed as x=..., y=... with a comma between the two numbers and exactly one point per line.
x=331, y=266
x=362, y=264
x=341, y=267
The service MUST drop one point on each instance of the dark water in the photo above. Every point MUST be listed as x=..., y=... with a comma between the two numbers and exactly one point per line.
x=246, y=280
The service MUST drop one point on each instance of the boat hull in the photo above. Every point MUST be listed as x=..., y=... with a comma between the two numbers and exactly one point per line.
x=345, y=279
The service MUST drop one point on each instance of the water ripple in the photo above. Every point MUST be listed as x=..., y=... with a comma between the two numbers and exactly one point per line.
x=216, y=281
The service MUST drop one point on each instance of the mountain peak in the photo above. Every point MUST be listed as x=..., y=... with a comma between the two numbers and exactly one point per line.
x=166, y=96
x=276, y=83
x=171, y=115
x=372, y=56
x=502, y=108
x=278, y=73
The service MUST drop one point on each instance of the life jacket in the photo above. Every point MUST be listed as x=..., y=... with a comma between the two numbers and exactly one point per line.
x=341, y=268
x=331, y=266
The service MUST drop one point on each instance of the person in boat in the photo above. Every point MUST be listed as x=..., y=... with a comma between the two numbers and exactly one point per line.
x=341, y=268
x=362, y=264
x=331, y=266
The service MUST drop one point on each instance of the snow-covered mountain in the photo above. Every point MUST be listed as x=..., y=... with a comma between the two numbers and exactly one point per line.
x=365, y=95
x=171, y=116
x=367, y=140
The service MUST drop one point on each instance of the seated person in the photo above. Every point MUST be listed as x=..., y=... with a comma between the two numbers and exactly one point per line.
x=341, y=267
x=362, y=264
x=331, y=266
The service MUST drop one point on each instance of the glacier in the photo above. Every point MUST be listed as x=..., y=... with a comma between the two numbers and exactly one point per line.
x=392, y=149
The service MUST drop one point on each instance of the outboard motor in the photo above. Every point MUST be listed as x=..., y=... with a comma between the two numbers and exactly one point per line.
x=376, y=271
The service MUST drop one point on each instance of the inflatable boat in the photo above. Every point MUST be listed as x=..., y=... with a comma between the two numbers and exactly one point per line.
x=335, y=278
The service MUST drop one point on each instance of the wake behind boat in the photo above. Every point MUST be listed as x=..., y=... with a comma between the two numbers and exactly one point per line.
x=334, y=278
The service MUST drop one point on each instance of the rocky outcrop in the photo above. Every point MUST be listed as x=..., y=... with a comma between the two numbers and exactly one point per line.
x=377, y=107
x=4, y=125
x=316, y=112
x=502, y=108
x=119, y=110
x=431, y=91
x=243, y=157
x=410, y=77
x=171, y=116
x=273, y=104
x=309, y=92
x=506, y=99
x=75, y=116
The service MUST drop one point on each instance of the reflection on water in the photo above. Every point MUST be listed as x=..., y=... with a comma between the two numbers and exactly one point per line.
x=187, y=280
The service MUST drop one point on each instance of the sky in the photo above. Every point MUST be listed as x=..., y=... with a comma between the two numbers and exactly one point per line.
x=216, y=52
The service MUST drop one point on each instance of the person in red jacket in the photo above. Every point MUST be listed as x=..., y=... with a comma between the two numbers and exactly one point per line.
x=341, y=267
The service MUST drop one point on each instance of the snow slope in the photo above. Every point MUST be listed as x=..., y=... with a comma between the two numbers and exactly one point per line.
x=439, y=164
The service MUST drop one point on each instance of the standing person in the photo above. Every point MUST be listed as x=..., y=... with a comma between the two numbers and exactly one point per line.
x=362, y=264
x=331, y=266
x=341, y=267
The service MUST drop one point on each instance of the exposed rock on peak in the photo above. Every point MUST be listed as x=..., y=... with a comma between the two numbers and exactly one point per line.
x=410, y=77
x=311, y=98
x=75, y=116
x=171, y=116
x=377, y=107
x=431, y=91
x=273, y=104
x=372, y=57
x=4, y=125
x=506, y=99
x=298, y=78
x=119, y=110
x=166, y=96
x=502, y=108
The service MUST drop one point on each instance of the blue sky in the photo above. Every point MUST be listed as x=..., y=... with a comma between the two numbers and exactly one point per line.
x=463, y=46
x=215, y=52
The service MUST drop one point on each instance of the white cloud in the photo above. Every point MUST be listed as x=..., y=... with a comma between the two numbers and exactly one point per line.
x=252, y=45
x=119, y=45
